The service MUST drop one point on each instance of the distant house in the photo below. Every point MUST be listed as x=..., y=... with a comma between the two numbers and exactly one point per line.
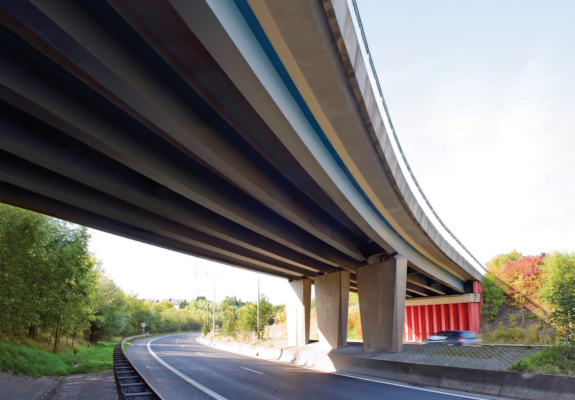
x=174, y=302
x=155, y=301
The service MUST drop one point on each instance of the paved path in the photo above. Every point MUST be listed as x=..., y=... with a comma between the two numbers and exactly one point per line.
x=189, y=370
x=97, y=386
x=23, y=387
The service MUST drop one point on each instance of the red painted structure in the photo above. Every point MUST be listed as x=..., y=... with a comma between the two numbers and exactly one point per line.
x=423, y=321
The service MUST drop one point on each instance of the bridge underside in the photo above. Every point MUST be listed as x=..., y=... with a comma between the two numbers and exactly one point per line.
x=141, y=120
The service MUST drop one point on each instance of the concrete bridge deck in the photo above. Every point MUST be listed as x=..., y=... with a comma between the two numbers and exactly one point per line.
x=246, y=132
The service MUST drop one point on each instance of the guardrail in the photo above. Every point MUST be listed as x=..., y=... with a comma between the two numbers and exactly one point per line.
x=376, y=79
x=130, y=385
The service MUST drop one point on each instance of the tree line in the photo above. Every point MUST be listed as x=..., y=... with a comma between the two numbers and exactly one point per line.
x=52, y=287
x=543, y=283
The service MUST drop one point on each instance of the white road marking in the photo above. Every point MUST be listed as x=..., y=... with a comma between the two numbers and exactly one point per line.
x=184, y=377
x=261, y=373
x=356, y=377
x=199, y=353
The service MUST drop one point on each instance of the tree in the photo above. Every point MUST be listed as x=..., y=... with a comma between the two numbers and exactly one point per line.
x=45, y=274
x=556, y=268
x=247, y=320
x=229, y=326
x=22, y=267
x=50, y=284
x=205, y=330
x=110, y=316
x=266, y=311
x=563, y=303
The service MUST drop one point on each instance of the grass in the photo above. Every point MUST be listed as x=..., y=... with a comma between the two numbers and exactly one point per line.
x=36, y=361
x=352, y=334
x=559, y=360
x=533, y=335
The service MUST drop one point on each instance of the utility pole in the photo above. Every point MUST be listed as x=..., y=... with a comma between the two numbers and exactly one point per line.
x=213, y=304
x=207, y=312
x=258, y=306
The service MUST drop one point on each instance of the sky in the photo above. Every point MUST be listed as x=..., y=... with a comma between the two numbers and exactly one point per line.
x=482, y=97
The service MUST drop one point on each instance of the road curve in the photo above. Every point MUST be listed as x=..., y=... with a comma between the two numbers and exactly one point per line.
x=178, y=367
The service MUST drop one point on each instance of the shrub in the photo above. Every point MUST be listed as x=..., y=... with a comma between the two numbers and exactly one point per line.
x=513, y=320
x=500, y=333
x=531, y=334
x=205, y=329
x=516, y=333
x=493, y=297
x=555, y=359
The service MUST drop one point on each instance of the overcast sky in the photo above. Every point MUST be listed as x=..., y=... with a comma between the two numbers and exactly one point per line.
x=482, y=96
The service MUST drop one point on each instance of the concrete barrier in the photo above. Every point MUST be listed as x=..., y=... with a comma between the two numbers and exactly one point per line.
x=486, y=381
x=205, y=341
x=503, y=383
x=269, y=353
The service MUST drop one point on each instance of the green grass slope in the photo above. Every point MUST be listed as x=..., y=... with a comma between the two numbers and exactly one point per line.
x=31, y=361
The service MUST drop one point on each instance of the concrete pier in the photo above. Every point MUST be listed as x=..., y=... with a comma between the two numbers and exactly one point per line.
x=332, y=299
x=381, y=289
x=298, y=312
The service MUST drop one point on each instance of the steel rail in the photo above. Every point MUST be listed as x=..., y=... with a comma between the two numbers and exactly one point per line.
x=130, y=385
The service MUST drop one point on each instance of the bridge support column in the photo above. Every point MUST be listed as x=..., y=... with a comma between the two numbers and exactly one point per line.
x=332, y=300
x=381, y=290
x=297, y=312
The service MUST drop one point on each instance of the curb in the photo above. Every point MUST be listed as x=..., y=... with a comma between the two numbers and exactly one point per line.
x=493, y=382
x=266, y=353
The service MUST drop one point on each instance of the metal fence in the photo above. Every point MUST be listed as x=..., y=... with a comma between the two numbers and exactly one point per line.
x=130, y=385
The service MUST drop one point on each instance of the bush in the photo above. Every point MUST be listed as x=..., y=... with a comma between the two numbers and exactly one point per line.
x=531, y=335
x=493, y=297
x=558, y=359
x=516, y=333
x=513, y=320
x=205, y=330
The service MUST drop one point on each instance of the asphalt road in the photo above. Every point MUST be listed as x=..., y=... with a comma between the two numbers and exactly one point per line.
x=190, y=370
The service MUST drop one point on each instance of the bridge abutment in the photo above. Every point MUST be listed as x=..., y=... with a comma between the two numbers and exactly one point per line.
x=298, y=312
x=332, y=300
x=381, y=290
